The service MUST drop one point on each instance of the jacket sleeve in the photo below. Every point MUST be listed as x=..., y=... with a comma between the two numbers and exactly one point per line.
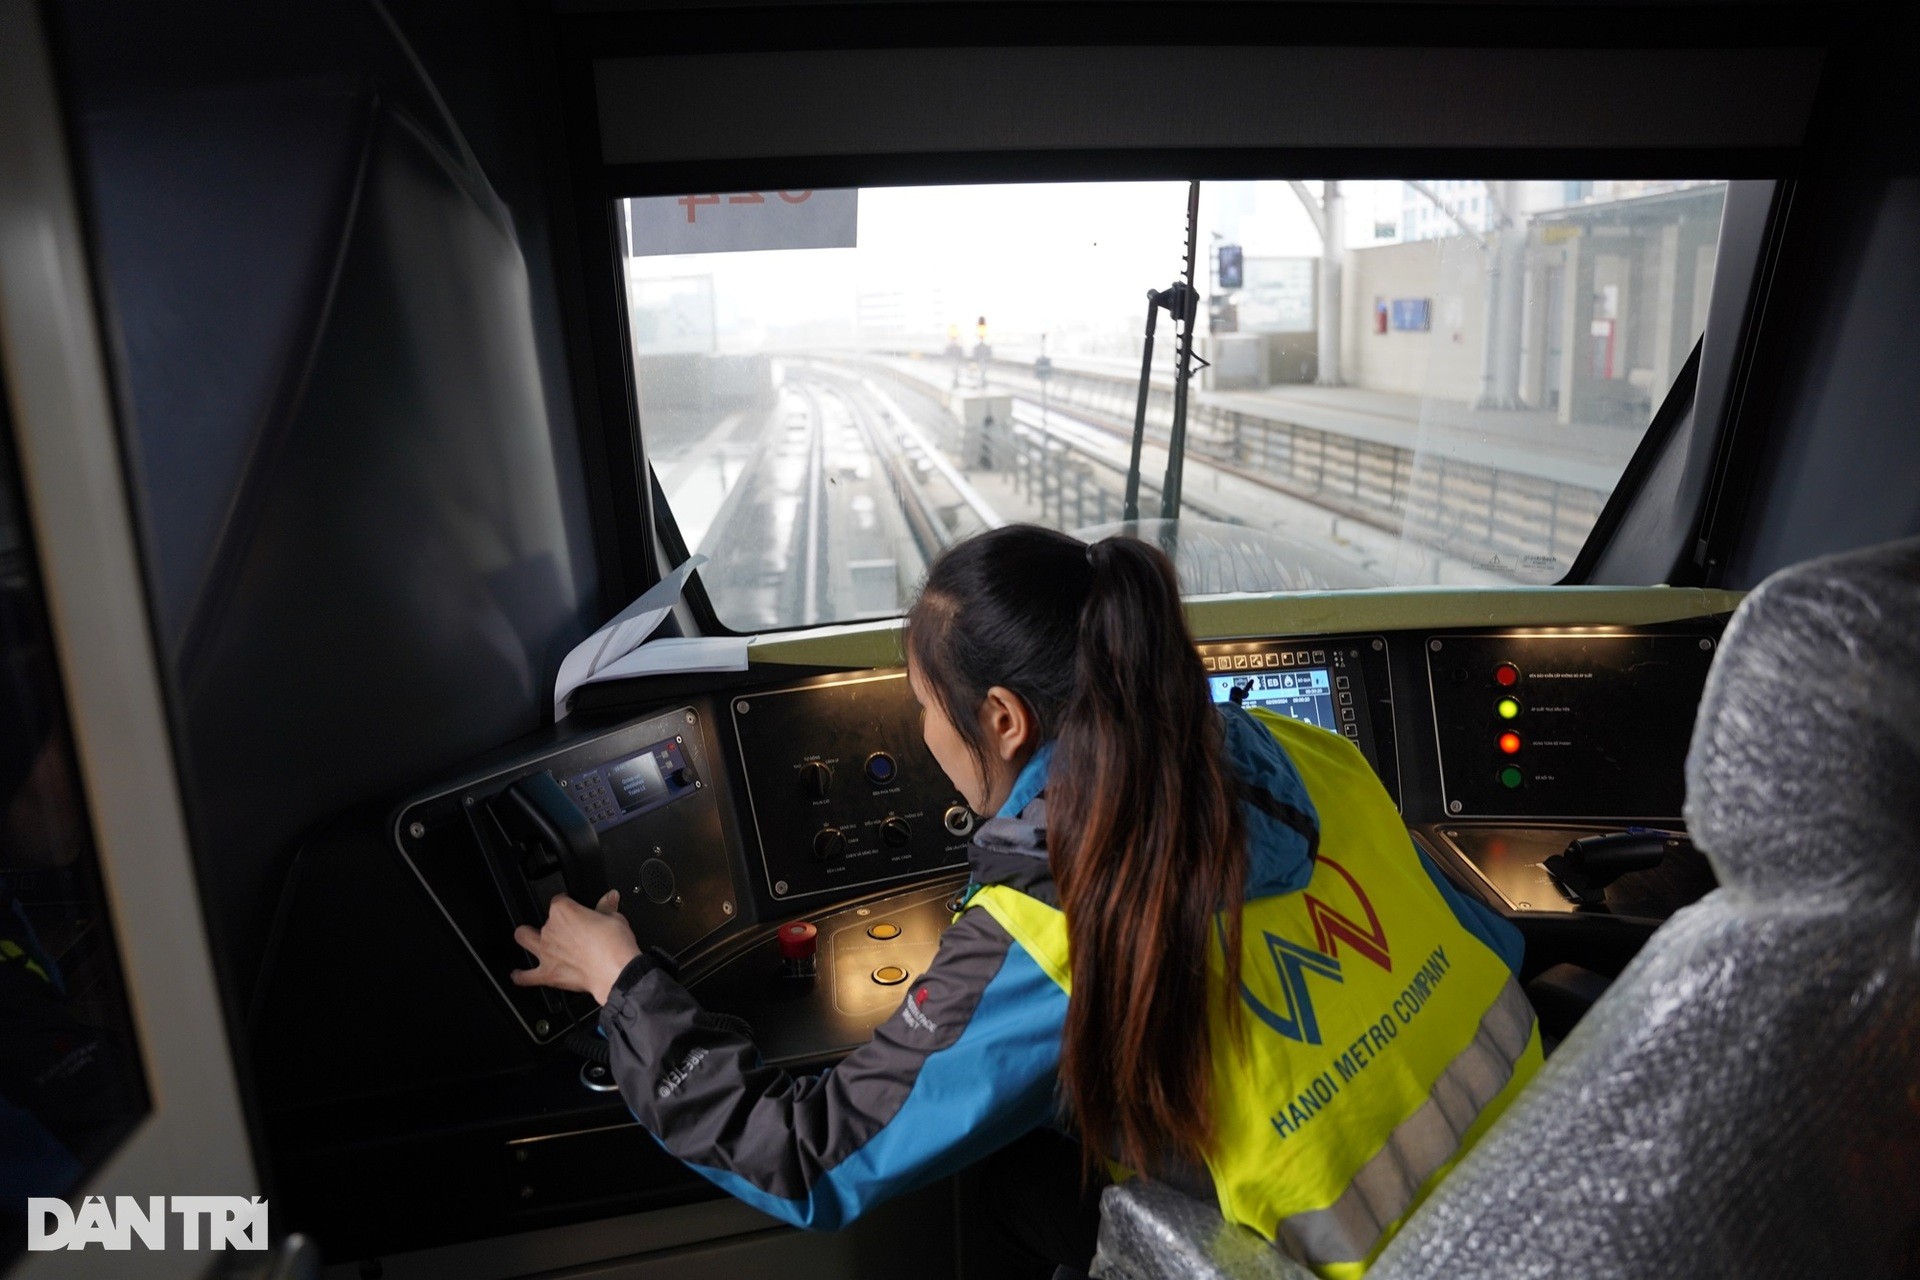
x=965, y=1065
x=1482, y=921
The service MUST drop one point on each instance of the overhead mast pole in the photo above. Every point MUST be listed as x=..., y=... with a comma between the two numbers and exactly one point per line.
x=1183, y=371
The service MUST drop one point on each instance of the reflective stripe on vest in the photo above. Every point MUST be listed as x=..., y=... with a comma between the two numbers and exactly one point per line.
x=1377, y=1037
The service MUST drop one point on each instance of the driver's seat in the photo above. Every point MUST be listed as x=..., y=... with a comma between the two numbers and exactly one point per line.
x=1745, y=1100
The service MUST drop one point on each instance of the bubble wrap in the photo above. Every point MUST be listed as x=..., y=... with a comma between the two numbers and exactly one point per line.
x=1745, y=1101
x=1149, y=1231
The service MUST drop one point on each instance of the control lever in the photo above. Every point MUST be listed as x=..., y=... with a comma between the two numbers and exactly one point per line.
x=553, y=839
x=536, y=843
x=1585, y=868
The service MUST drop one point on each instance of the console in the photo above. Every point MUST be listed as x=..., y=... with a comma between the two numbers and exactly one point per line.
x=1567, y=724
x=632, y=809
x=1340, y=683
x=841, y=791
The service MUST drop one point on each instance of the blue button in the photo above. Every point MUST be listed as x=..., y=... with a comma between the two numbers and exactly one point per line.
x=881, y=769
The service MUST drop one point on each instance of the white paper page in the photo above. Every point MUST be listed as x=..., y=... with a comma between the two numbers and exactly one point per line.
x=621, y=635
x=678, y=654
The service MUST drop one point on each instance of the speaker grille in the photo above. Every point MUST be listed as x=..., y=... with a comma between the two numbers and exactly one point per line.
x=656, y=880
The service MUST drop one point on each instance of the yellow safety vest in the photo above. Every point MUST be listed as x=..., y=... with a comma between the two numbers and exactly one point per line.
x=1378, y=1036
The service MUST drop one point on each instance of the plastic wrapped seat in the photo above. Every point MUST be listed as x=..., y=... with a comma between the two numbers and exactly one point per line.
x=1745, y=1100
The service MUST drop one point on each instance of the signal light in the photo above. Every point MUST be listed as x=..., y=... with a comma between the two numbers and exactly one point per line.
x=1507, y=708
x=1511, y=777
x=1506, y=675
x=1510, y=743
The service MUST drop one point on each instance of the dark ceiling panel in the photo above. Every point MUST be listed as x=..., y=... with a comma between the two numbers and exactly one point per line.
x=722, y=106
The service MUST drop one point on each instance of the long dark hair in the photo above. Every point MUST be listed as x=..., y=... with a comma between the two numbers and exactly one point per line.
x=1145, y=836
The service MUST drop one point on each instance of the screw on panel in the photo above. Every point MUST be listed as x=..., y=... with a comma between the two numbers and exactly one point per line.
x=741, y=706
x=1378, y=645
x=417, y=829
x=689, y=717
x=1706, y=644
x=677, y=738
x=726, y=908
x=779, y=886
x=540, y=1027
x=1453, y=806
x=1434, y=645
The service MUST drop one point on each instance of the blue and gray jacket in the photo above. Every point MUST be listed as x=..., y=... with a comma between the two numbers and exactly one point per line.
x=959, y=1071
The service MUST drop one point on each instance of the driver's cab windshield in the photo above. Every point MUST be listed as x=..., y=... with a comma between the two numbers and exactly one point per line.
x=1392, y=382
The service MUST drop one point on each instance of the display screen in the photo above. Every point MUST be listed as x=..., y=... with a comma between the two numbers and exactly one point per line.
x=637, y=781
x=1305, y=695
x=612, y=793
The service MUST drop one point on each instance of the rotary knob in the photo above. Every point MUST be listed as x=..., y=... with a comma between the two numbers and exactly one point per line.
x=816, y=778
x=829, y=844
x=895, y=833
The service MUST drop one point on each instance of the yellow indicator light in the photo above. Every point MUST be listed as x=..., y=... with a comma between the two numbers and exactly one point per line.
x=1507, y=708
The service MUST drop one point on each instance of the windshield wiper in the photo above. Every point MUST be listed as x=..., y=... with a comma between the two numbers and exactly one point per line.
x=1182, y=302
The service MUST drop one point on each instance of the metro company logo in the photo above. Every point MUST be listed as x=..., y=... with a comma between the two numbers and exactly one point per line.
x=232, y=1222
x=1294, y=963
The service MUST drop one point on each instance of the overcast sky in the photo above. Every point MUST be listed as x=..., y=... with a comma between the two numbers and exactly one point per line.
x=1032, y=258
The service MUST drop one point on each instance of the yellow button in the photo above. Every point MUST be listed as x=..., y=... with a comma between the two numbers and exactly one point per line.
x=889, y=975
x=885, y=931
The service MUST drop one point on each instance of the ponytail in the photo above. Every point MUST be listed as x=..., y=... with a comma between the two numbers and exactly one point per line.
x=1148, y=847
x=1145, y=835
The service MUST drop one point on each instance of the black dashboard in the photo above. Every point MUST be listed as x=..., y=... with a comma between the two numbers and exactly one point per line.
x=790, y=842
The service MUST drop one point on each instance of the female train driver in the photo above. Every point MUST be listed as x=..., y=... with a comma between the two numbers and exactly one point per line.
x=1198, y=939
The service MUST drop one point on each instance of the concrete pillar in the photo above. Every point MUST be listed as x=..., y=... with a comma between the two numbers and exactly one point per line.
x=1333, y=247
x=1576, y=342
x=1533, y=328
x=1667, y=307
x=1506, y=260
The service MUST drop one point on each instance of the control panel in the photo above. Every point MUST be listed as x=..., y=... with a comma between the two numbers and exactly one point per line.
x=1565, y=724
x=632, y=810
x=821, y=985
x=841, y=790
x=1340, y=683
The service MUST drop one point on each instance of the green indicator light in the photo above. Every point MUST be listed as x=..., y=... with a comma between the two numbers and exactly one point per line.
x=1507, y=708
x=1510, y=777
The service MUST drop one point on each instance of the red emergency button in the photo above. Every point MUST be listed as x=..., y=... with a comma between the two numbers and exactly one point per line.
x=797, y=940
x=1506, y=675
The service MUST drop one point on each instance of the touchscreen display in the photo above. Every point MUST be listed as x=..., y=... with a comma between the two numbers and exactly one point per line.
x=1305, y=695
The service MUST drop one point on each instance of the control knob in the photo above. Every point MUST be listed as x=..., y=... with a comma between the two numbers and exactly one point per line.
x=829, y=844
x=816, y=778
x=895, y=833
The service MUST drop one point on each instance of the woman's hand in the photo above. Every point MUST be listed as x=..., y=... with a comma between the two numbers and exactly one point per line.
x=578, y=950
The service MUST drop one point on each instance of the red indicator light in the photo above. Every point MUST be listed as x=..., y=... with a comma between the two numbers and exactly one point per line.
x=1510, y=743
x=1506, y=675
